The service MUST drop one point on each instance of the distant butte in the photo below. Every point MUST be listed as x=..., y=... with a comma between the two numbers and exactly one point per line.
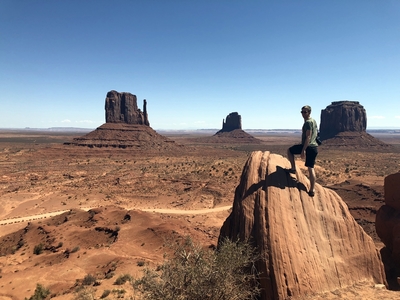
x=233, y=121
x=126, y=127
x=344, y=123
x=122, y=108
x=232, y=132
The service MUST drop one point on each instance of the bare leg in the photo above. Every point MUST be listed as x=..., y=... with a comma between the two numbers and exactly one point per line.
x=291, y=159
x=311, y=173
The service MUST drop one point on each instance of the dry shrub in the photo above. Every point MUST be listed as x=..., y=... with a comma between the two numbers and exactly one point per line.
x=40, y=293
x=89, y=279
x=122, y=279
x=203, y=274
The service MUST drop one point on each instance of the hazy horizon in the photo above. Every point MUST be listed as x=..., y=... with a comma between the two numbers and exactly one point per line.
x=187, y=129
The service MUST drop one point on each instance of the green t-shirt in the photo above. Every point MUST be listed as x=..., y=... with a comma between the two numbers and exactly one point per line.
x=310, y=124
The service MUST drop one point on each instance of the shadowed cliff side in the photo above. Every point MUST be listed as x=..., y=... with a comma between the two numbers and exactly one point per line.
x=388, y=229
x=122, y=108
x=308, y=244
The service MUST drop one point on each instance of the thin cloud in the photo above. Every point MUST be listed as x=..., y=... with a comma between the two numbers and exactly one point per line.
x=377, y=117
x=66, y=121
x=397, y=117
x=85, y=121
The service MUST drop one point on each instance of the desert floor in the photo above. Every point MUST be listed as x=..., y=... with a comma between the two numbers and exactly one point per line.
x=168, y=195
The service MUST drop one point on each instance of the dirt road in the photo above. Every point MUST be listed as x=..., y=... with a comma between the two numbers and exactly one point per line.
x=155, y=210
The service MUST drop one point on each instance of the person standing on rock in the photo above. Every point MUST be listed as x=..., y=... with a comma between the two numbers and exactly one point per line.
x=308, y=148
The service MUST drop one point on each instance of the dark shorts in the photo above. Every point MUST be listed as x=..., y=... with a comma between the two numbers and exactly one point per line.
x=311, y=154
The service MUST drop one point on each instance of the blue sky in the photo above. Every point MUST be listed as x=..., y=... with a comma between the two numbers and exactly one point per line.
x=197, y=61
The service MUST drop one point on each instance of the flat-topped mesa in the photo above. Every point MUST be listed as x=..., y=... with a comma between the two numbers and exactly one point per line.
x=342, y=116
x=344, y=124
x=122, y=108
x=233, y=121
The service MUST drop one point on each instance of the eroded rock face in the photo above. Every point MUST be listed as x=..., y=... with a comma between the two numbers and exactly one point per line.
x=122, y=108
x=342, y=116
x=308, y=244
x=388, y=221
x=233, y=121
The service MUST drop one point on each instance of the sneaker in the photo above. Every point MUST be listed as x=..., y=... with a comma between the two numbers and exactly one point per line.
x=311, y=193
x=291, y=171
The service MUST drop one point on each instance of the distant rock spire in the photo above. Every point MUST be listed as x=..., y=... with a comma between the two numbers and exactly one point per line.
x=146, y=120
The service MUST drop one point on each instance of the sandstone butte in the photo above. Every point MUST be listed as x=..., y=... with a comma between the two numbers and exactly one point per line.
x=344, y=124
x=126, y=127
x=308, y=245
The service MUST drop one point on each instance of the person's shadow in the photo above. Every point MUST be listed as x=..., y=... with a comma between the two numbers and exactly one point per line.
x=280, y=179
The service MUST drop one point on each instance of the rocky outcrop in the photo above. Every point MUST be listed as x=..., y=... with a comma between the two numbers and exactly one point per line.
x=388, y=227
x=307, y=244
x=342, y=116
x=233, y=121
x=122, y=108
x=344, y=123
